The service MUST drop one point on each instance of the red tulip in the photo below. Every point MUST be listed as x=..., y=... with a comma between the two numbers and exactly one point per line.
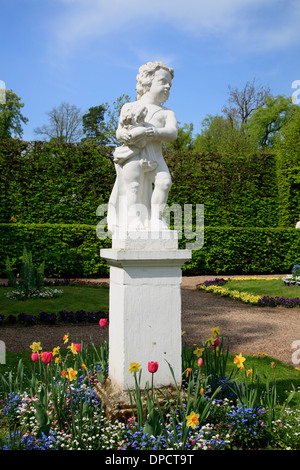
x=77, y=346
x=152, y=367
x=103, y=322
x=200, y=362
x=47, y=357
x=35, y=357
x=216, y=342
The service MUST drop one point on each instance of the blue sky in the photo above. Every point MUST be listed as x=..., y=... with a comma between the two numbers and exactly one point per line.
x=87, y=52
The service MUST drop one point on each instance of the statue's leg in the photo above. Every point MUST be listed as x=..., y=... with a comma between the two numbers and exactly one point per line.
x=133, y=178
x=162, y=186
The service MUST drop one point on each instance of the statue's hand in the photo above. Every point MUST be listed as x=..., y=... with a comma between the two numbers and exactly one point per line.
x=125, y=137
x=151, y=132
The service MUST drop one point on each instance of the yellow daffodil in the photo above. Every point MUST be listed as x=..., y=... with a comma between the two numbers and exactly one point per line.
x=210, y=341
x=36, y=347
x=134, y=367
x=66, y=338
x=56, y=351
x=71, y=374
x=192, y=419
x=198, y=351
x=215, y=331
x=57, y=360
x=73, y=349
x=238, y=360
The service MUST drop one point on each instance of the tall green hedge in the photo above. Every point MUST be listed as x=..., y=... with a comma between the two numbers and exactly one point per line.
x=239, y=191
x=50, y=194
x=288, y=170
x=44, y=182
x=73, y=250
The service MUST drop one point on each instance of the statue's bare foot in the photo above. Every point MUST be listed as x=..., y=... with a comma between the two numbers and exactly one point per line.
x=158, y=224
x=136, y=225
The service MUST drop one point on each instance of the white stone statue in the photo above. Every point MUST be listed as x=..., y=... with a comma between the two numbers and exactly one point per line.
x=139, y=163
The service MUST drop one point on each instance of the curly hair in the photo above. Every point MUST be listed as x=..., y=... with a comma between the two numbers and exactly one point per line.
x=145, y=76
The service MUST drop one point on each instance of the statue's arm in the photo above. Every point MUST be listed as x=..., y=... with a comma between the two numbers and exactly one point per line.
x=132, y=135
x=167, y=133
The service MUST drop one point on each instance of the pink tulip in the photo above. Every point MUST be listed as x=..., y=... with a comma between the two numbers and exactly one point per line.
x=35, y=357
x=152, y=367
x=77, y=346
x=200, y=362
x=47, y=357
x=103, y=322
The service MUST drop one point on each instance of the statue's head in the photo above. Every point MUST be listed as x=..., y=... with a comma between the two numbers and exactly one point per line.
x=146, y=74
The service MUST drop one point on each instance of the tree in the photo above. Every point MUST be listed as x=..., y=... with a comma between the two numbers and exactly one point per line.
x=11, y=118
x=222, y=135
x=94, y=126
x=241, y=103
x=112, y=121
x=65, y=124
x=101, y=122
x=268, y=119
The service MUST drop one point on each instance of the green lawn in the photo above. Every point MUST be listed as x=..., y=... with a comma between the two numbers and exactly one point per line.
x=72, y=299
x=263, y=287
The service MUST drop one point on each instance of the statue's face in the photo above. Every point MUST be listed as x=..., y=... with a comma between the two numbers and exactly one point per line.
x=161, y=84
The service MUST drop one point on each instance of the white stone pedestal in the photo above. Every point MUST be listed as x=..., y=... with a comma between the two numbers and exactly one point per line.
x=145, y=306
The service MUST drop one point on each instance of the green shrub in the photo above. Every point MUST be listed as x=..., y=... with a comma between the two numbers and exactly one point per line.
x=74, y=250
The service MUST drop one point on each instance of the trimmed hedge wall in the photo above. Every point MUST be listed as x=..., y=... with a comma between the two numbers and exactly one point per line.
x=73, y=249
x=236, y=190
x=42, y=182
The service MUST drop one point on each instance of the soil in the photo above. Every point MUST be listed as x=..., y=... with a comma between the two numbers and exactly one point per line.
x=250, y=329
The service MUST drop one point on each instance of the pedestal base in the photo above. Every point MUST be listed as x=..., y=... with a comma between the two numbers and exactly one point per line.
x=117, y=405
x=145, y=313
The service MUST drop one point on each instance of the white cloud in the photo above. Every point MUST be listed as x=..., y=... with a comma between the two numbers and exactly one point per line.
x=240, y=23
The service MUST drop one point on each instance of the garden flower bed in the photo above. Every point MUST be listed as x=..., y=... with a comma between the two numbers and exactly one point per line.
x=54, y=406
x=218, y=287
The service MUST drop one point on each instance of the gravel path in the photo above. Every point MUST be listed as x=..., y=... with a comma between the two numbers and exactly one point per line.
x=251, y=330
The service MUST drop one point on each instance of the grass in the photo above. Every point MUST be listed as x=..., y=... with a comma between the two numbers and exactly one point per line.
x=72, y=299
x=264, y=287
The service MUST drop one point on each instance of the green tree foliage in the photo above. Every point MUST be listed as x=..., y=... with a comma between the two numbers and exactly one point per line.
x=93, y=125
x=100, y=123
x=222, y=134
x=112, y=118
x=267, y=120
x=185, y=139
x=11, y=117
